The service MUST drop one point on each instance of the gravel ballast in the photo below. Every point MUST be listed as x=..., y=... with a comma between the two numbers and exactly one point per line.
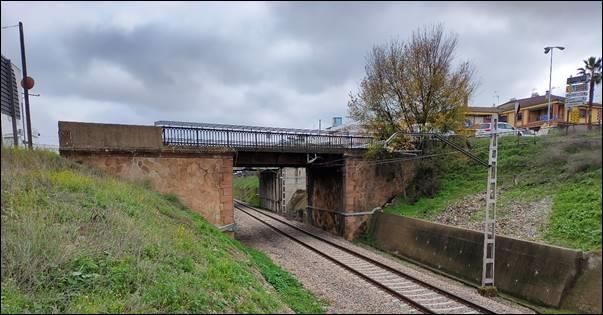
x=344, y=291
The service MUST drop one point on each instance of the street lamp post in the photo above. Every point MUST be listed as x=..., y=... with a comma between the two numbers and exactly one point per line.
x=546, y=51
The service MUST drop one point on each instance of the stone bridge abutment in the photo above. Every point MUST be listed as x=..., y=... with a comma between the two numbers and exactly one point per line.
x=201, y=180
x=342, y=197
x=342, y=187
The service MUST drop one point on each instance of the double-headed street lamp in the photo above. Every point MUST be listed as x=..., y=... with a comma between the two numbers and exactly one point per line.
x=546, y=51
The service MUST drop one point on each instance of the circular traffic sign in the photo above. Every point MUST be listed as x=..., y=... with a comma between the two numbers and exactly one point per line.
x=27, y=83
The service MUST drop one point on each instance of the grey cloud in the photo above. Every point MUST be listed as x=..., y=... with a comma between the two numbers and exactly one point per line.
x=162, y=57
x=165, y=68
x=171, y=61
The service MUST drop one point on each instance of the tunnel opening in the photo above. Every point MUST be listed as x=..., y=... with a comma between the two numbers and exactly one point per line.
x=281, y=190
x=284, y=184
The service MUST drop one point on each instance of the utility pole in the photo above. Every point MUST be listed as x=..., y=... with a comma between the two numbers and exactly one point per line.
x=488, y=287
x=25, y=87
x=548, y=111
x=546, y=51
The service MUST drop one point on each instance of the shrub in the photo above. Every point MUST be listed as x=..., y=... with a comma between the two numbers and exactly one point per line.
x=425, y=182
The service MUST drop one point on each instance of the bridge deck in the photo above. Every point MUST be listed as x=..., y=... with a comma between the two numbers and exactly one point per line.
x=258, y=139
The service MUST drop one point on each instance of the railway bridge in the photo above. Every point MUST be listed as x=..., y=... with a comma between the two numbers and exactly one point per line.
x=195, y=161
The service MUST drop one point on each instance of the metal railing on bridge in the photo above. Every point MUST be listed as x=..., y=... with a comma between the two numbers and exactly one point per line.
x=265, y=139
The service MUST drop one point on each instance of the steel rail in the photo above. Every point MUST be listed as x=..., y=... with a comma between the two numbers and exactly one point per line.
x=414, y=304
x=447, y=294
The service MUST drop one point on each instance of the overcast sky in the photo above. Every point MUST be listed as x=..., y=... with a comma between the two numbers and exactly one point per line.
x=274, y=64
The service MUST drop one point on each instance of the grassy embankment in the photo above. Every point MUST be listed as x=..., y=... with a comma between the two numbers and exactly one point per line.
x=565, y=168
x=75, y=240
x=245, y=188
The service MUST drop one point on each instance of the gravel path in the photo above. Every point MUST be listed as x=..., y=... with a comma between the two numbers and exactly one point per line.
x=346, y=292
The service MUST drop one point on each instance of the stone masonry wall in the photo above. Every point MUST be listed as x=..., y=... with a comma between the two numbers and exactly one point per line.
x=368, y=185
x=325, y=192
x=202, y=182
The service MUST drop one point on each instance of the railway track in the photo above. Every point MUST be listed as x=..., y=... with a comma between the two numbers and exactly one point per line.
x=420, y=295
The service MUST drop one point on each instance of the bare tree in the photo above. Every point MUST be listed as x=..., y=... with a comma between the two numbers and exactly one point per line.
x=413, y=85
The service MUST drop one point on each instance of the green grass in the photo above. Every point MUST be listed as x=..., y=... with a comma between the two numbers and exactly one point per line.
x=565, y=168
x=245, y=188
x=458, y=177
x=77, y=241
x=576, y=218
x=451, y=188
x=288, y=288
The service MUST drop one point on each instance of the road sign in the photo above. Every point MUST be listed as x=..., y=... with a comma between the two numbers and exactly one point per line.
x=575, y=99
x=576, y=91
x=581, y=93
x=580, y=87
x=576, y=80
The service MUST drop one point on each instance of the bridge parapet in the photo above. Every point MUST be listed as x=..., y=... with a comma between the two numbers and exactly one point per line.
x=94, y=136
x=242, y=138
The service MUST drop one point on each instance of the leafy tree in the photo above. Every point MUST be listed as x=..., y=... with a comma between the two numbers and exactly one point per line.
x=413, y=86
x=592, y=69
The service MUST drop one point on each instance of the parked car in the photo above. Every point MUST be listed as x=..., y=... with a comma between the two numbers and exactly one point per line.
x=526, y=132
x=504, y=129
x=428, y=129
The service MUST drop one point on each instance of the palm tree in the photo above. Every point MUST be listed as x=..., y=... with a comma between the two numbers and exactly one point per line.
x=592, y=69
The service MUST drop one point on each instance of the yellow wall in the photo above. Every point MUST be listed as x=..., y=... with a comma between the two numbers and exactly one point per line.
x=511, y=119
x=594, y=115
x=556, y=108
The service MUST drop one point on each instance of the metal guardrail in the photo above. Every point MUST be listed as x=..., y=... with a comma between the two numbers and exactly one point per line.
x=265, y=141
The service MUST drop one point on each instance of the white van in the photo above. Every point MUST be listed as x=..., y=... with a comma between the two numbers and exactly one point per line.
x=504, y=129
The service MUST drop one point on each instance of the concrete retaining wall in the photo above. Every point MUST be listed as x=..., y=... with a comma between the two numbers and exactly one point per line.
x=277, y=187
x=585, y=294
x=294, y=180
x=269, y=190
x=535, y=272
